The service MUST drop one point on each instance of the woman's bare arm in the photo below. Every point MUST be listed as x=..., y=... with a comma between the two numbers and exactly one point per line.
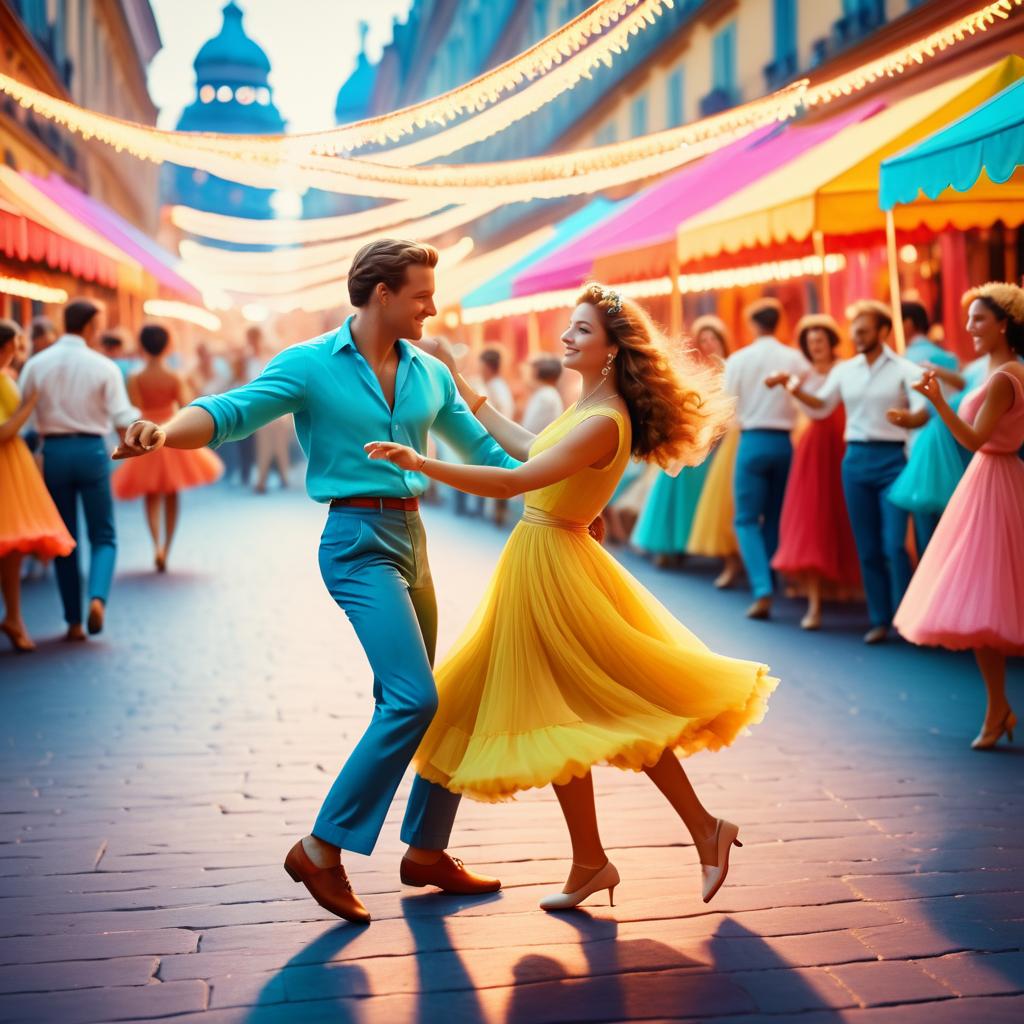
x=998, y=400
x=593, y=441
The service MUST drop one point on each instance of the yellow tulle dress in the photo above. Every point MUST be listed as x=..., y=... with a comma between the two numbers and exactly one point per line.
x=569, y=662
x=712, y=534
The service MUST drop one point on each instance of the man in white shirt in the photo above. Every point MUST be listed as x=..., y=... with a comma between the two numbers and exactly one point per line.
x=82, y=397
x=545, y=404
x=766, y=418
x=875, y=386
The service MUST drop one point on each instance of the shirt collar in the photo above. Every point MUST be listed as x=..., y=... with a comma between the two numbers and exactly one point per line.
x=71, y=339
x=343, y=339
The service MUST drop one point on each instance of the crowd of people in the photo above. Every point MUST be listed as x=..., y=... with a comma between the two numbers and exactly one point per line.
x=833, y=481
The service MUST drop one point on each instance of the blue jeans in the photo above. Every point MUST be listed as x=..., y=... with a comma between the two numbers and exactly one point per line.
x=78, y=467
x=759, y=485
x=375, y=567
x=879, y=527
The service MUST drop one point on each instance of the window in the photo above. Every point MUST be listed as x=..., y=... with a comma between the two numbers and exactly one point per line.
x=676, y=99
x=785, y=30
x=723, y=56
x=638, y=116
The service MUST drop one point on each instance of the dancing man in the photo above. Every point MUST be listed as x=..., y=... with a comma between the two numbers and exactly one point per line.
x=353, y=385
x=766, y=419
x=877, y=388
x=81, y=398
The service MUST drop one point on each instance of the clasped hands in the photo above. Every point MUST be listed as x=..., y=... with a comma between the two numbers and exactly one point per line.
x=141, y=437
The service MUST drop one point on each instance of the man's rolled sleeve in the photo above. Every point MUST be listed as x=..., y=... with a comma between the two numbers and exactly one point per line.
x=457, y=426
x=830, y=393
x=278, y=391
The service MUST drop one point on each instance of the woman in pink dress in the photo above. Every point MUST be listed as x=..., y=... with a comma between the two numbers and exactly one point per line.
x=160, y=391
x=816, y=545
x=968, y=590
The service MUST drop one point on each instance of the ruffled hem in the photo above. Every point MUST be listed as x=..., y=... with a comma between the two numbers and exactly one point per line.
x=962, y=641
x=43, y=547
x=591, y=745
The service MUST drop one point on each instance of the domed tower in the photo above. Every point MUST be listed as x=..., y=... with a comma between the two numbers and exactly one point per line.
x=232, y=95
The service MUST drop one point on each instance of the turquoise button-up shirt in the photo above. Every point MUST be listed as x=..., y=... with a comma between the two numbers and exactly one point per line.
x=339, y=406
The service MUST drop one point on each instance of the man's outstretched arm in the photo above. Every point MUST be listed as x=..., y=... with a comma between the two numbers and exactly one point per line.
x=214, y=419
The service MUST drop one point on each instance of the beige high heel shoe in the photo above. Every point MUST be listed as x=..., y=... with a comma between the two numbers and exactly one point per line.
x=987, y=740
x=604, y=878
x=714, y=874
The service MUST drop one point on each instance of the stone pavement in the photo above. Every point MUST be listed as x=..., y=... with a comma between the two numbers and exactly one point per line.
x=153, y=781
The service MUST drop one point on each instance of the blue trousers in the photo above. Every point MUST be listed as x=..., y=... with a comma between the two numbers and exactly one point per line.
x=76, y=468
x=879, y=527
x=759, y=485
x=375, y=567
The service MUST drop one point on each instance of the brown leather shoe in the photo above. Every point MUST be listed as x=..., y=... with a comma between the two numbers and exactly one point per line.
x=330, y=887
x=447, y=873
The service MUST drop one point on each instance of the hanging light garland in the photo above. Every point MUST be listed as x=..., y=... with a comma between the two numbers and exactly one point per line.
x=212, y=258
x=329, y=294
x=486, y=89
x=250, y=231
x=166, y=309
x=542, y=177
x=689, y=284
x=23, y=289
x=526, y=101
x=897, y=61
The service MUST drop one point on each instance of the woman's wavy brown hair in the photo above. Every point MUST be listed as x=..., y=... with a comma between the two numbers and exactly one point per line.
x=677, y=405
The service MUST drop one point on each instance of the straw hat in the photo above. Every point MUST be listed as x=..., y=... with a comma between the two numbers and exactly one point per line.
x=1008, y=297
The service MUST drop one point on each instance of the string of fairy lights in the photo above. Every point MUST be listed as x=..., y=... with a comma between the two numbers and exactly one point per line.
x=429, y=200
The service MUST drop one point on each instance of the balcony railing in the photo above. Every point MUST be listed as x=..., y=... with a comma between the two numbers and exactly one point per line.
x=716, y=101
x=858, y=24
x=780, y=71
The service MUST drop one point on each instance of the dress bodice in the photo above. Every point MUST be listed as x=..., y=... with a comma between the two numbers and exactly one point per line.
x=158, y=398
x=10, y=397
x=1008, y=436
x=581, y=497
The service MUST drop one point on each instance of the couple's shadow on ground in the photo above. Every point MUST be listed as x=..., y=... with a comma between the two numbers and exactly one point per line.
x=589, y=974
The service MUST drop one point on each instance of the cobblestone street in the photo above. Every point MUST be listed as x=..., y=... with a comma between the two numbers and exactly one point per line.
x=155, y=778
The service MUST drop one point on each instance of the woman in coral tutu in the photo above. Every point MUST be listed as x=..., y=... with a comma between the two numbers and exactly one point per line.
x=968, y=590
x=159, y=391
x=712, y=534
x=816, y=545
x=29, y=521
x=569, y=662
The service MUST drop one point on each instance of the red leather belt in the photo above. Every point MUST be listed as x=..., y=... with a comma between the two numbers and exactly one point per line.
x=395, y=504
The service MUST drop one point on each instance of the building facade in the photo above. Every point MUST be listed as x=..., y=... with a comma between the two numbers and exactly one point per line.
x=94, y=53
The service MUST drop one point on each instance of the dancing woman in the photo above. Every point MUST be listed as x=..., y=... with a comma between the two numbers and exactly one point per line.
x=29, y=521
x=712, y=534
x=160, y=391
x=816, y=544
x=968, y=590
x=569, y=662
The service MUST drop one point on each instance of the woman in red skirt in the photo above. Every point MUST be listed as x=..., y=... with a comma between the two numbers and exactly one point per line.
x=816, y=545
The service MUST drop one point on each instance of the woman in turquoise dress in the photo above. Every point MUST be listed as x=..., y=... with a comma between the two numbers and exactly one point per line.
x=936, y=461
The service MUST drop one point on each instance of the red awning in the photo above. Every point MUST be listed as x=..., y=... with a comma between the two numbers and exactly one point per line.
x=24, y=239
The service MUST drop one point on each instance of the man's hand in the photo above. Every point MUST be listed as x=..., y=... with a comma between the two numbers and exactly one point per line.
x=597, y=529
x=899, y=417
x=774, y=380
x=439, y=348
x=398, y=454
x=140, y=438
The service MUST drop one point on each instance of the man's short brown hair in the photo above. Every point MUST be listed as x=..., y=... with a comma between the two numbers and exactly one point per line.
x=384, y=262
